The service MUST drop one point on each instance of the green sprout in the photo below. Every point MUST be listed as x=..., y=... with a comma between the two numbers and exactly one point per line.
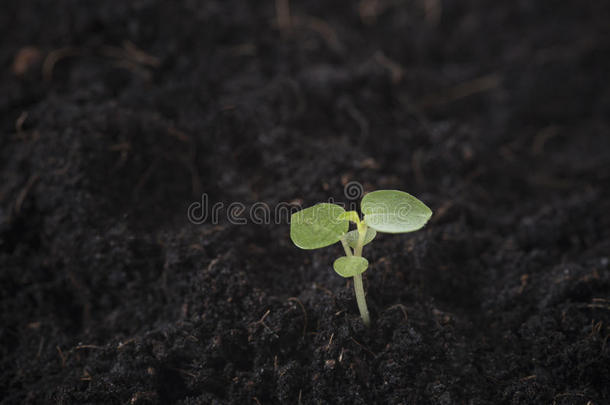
x=324, y=224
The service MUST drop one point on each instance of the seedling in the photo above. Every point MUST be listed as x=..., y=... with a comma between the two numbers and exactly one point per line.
x=385, y=211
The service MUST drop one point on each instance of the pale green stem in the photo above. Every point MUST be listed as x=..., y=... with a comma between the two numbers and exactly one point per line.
x=358, y=287
x=361, y=234
x=364, y=311
x=348, y=250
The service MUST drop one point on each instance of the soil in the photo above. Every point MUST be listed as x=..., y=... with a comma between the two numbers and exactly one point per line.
x=117, y=116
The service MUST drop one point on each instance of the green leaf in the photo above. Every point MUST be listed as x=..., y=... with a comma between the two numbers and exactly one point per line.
x=350, y=216
x=393, y=211
x=318, y=226
x=352, y=237
x=349, y=266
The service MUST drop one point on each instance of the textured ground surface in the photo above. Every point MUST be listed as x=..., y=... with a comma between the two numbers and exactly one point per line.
x=115, y=118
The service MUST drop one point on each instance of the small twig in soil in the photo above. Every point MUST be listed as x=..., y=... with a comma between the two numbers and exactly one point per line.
x=123, y=148
x=568, y=394
x=600, y=306
x=40, y=347
x=441, y=211
x=212, y=263
x=64, y=169
x=189, y=161
x=347, y=105
x=524, y=279
x=463, y=90
x=132, y=54
x=542, y=137
x=53, y=57
x=396, y=71
x=364, y=347
x=132, y=58
x=244, y=49
x=134, y=68
x=86, y=376
x=120, y=147
x=262, y=322
x=182, y=371
x=369, y=10
x=264, y=316
x=330, y=341
x=20, y=121
x=24, y=192
x=83, y=293
x=61, y=356
x=144, y=178
x=125, y=343
x=138, y=55
x=433, y=10
x=181, y=136
x=326, y=290
x=80, y=347
x=321, y=27
x=148, y=396
x=26, y=58
x=298, y=301
x=540, y=180
x=282, y=11
x=596, y=328
x=417, y=167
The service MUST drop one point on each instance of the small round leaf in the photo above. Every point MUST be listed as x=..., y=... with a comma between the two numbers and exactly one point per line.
x=393, y=211
x=352, y=237
x=349, y=266
x=318, y=226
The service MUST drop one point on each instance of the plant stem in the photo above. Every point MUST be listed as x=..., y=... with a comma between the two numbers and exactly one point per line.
x=361, y=234
x=364, y=311
x=358, y=287
x=348, y=250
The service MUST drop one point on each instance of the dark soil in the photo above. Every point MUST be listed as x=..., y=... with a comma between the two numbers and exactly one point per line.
x=116, y=117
